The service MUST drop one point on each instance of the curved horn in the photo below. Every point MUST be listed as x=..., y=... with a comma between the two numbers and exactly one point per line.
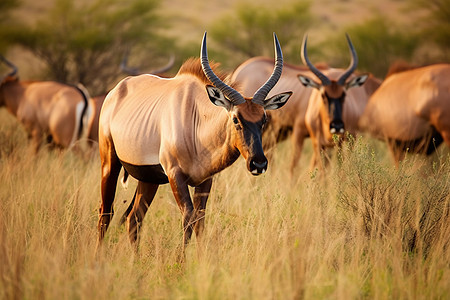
x=135, y=71
x=228, y=91
x=11, y=65
x=325, y=80
x=261, y=94
x=353, y=63
x=165, y=68
x=124, y=65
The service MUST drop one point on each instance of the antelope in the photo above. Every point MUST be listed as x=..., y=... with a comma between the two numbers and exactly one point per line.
x=411, y=110
x=50, y=111
x=97, y=101
x=288, y=121
x=336, y=103
x=180, y=131
x=96, y=104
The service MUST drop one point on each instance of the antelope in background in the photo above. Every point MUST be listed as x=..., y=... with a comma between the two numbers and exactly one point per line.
x=180, y=131
x=50, y=111
x=336, y=103
x=292, y=116
x=411, y=110
x=288, y=121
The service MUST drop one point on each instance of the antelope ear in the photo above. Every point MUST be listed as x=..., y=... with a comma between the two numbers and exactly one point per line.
x=357, y=81
x=217, y=97
x=277, y=101
x=308, y=82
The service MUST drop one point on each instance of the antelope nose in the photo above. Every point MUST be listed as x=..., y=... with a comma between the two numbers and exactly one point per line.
x=337, y=127
x=258, y=167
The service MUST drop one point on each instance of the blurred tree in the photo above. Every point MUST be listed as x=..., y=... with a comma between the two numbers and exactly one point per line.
x=5, y=21
x=378, y=43
x=435, y=26
x=85, y=42
x=247, y=32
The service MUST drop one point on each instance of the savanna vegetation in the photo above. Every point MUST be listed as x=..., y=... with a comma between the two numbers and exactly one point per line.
x=362, y=229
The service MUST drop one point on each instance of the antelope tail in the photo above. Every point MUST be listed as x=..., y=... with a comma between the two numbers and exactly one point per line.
x=86, y=112
x=124, y=180
x=83, y=113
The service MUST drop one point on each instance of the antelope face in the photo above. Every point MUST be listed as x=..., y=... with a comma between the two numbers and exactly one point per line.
x=333, y=98
x=332, y=91
x=247, y=121
x=247, y=115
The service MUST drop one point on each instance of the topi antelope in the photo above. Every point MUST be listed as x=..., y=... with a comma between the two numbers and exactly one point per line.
x=336, y=103
x=51, y=111
x=180, y=131
x=411, y=110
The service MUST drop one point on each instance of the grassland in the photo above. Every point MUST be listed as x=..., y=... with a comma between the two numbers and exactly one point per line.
x=363, y=230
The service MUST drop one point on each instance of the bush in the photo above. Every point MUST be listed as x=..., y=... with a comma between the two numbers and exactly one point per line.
x=85, y=43
x=247, y=32
x=378, y=43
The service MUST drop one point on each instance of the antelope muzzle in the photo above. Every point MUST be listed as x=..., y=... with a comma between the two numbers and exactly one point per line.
x=257, y=166
x=337, y=127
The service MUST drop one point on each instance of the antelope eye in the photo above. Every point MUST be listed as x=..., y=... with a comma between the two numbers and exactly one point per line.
x=235, y=120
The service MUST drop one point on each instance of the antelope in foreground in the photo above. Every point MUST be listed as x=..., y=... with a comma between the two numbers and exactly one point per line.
x=336, y=103
x=50, y=111
x=97, y=101
x=180, y=131
x=411, y=110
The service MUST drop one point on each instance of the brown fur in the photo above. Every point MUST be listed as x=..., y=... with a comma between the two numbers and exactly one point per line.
x=144, y=122
x=409, y=108
x=194, y=67
x=400, y=66
x=46, y=109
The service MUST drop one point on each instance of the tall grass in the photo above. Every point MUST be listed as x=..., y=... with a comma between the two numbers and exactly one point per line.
x=364, y=229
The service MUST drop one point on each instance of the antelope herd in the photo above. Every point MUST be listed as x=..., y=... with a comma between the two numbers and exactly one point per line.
x=185, y=129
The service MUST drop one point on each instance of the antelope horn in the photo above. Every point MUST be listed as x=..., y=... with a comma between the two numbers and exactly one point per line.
x=135, y=71
x=325, y=80
x=11, y=65
x=227, y=90
x=261, y=94
x=124, y=65
x=165, y=68
x=353, y=63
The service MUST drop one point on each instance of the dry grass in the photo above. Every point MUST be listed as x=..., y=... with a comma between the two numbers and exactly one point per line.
x=363, y=230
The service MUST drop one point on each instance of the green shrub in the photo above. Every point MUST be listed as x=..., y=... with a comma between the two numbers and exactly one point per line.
x=85, y=43
x=247, y=32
